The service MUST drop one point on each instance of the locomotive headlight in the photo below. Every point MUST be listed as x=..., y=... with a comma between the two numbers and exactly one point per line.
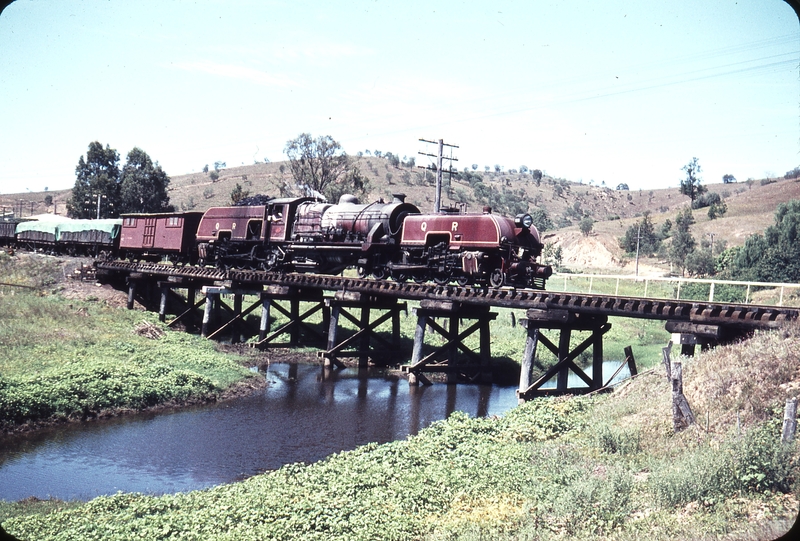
x=523, y=220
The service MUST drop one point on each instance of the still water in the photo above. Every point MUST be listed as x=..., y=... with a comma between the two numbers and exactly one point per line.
x=299, y=417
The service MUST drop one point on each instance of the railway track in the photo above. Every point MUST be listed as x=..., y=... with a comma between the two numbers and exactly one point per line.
x=555, y=304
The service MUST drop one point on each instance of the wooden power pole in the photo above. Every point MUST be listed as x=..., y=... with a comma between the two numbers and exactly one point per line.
x=437, y=203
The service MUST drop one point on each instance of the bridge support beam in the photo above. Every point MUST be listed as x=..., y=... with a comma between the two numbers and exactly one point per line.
x=297, y=324
x=470, y=367
x=565, y=322
x=141, y=289
x=237, y=323
x=358, y=344
x=689, y=335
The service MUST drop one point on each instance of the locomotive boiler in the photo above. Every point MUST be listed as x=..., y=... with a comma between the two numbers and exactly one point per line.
x=304, y=235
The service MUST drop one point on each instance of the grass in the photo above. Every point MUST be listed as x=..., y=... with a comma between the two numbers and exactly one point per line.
x=600, y=467
x=62, y=359
x=592, y=467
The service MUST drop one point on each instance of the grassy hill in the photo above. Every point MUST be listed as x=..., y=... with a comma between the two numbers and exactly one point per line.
x=751, y=204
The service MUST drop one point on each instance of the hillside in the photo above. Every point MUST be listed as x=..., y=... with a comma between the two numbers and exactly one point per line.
x=751, y=204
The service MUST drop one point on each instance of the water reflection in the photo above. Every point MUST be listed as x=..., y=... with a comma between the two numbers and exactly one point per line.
x=303, y=415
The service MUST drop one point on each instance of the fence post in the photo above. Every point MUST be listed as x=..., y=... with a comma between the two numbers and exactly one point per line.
x=711, y=293
x=682, y=415
x=665, y=352
x=789, y=420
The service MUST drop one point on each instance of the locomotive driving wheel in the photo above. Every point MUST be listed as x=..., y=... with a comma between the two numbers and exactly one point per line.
x=497, y=278
x=442, y=279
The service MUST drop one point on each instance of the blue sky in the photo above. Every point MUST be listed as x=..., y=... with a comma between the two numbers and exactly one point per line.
x=603, y=91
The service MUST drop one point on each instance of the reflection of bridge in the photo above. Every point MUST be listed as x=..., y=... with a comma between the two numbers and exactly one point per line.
x=703, y=323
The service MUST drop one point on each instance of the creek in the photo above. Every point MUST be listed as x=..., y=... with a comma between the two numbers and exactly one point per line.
x=299, y=417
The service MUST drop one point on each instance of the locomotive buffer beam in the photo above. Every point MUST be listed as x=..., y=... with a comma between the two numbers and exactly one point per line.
x=294, y=296
x=444, y=358
x=565, y=322
x=339, y=305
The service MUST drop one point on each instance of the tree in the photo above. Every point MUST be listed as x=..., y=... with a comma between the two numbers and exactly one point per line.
x=717, y=210
x=700, y=263
x=237, y=193
x=541, y=220
x=622, y=186
x=775, y=255
x=474, y=166
x=691, y=185
x=586, y=225
x=48, y=200
x=643, y=235
x=205, y=169
x=97, y=180
x=320, y=166
x=683, y=242
x=143, y=185
x=728, y=178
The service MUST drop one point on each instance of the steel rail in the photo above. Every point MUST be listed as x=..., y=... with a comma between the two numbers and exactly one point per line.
x=709, y=313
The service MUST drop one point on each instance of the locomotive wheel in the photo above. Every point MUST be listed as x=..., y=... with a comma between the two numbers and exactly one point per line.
x=419, y=278
x=441, y=279
x=399, y=277
x=463, y=280
x=362, y=272
x=497, y=278
x=379, y=273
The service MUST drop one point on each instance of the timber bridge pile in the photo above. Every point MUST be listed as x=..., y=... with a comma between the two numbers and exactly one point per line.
x=693, y=323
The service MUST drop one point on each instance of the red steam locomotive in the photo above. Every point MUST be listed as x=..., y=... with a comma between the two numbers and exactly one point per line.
x=382, y=239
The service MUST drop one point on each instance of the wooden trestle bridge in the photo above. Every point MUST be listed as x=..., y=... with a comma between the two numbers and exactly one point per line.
x=369, y=303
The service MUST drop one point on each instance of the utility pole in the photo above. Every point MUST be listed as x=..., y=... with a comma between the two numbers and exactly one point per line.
x=638, y=238
x=437, y=203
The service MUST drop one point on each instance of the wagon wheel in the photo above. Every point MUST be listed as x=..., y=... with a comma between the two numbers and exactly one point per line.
x=497, y=278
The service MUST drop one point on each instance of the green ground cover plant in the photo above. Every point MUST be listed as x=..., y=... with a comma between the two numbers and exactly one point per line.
x=62, y=359
x=597, y=467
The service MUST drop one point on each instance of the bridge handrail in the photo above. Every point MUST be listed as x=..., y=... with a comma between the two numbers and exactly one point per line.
x=646, y=279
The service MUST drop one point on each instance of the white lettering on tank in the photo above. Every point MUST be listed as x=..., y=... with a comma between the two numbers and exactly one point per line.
x=423, y=226
x=454, y=227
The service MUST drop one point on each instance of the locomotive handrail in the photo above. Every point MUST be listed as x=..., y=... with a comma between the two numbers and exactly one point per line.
x=699, y=312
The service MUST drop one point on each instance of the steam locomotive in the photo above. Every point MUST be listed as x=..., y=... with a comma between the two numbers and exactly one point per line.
x=385, y=240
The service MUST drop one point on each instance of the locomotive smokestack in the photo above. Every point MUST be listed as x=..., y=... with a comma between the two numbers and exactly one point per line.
x=399, y=198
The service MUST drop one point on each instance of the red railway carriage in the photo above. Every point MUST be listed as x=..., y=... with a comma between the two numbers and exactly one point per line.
x=168, y=235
